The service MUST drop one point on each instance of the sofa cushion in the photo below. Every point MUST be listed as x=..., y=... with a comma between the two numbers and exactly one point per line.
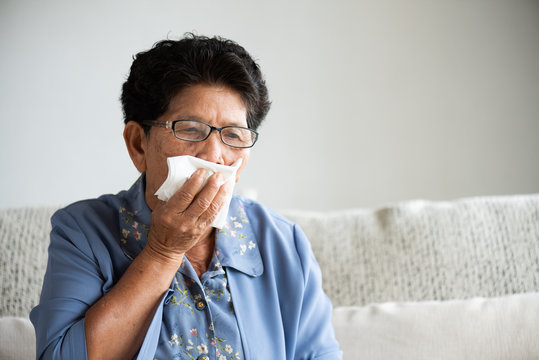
x=476, y=329
x=24, y=239
x=422, y=251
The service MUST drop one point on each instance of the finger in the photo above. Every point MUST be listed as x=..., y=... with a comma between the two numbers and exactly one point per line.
x=205, y=197
x=184, y=196
x=217, y=203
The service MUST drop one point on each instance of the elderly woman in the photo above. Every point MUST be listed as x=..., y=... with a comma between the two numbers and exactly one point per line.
x=131, y=276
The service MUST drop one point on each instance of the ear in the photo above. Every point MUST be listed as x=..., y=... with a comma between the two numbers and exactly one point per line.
x=136, y=142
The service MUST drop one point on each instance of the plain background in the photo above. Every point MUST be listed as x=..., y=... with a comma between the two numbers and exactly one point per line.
x=373, y=101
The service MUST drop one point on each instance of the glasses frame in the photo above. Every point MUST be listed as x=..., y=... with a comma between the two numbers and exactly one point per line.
x=172, y=125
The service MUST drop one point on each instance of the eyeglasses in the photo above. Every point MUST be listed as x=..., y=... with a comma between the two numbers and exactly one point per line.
x=194, y=130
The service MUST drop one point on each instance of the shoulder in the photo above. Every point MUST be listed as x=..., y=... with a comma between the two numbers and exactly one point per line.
x=91, y=225
x=279, y=239
x=86, y=212
x=88, y=232
x=268, y=225
x=259, y=213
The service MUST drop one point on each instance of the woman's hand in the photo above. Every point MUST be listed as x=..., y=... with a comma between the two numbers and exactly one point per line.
x=178, y=224
x=128, y=308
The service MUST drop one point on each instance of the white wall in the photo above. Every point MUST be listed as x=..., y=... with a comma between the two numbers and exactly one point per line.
x=373, y=101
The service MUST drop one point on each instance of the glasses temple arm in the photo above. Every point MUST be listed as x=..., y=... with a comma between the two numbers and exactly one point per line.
x=166, y=124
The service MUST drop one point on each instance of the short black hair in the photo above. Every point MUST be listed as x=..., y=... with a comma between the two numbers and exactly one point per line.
x=170, y=66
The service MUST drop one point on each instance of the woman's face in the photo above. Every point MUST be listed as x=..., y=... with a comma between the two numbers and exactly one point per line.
x=216, y=105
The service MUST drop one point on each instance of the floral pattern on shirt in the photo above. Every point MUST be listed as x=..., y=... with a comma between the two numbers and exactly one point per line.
x=183, y=297
x=192, y=347
x=198, y=339
x=134, y=218
x=234, y=229
x=187, y=331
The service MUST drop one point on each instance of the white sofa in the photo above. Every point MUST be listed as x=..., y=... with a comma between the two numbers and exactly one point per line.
x=412, y=280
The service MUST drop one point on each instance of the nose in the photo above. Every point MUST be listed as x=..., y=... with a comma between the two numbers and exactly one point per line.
x=211, y=149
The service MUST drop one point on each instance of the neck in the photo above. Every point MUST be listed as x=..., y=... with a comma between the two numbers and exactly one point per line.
x=201, y=254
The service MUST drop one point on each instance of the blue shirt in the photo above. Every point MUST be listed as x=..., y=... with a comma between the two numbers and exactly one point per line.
x=199, y=318
x=273, y=279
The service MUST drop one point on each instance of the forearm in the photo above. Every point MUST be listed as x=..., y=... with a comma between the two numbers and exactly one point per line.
x=116, y=325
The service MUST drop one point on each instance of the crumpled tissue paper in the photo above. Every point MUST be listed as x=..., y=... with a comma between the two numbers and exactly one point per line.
x=180, y=168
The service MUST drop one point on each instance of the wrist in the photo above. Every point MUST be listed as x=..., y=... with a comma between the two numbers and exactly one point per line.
x=161, y=258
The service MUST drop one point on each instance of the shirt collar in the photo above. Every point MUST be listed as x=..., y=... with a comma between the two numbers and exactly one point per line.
x=134, y=218
x=236, y=245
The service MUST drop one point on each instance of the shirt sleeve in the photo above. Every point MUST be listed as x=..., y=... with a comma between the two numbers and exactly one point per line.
x=315, y=335
x=71, y=285
x=79, y=272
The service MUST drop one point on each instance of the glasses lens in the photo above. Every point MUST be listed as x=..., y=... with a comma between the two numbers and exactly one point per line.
x=235, y=136
x=238, y=136
x=191, y=130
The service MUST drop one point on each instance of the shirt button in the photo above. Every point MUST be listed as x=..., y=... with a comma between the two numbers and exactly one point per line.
x=201, y=305
x=203, y=357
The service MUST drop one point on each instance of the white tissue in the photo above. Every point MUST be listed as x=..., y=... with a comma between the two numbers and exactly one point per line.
x=180, y=168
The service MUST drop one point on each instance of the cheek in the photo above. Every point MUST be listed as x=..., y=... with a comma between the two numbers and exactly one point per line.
x=157, y=168
x=163, y=149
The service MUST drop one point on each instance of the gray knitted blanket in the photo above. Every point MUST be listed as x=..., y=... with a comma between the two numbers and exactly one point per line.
x=409, y=251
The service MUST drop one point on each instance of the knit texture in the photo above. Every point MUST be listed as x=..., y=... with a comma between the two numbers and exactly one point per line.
x=410, y=251
x=420, y=250
x=24, y=239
